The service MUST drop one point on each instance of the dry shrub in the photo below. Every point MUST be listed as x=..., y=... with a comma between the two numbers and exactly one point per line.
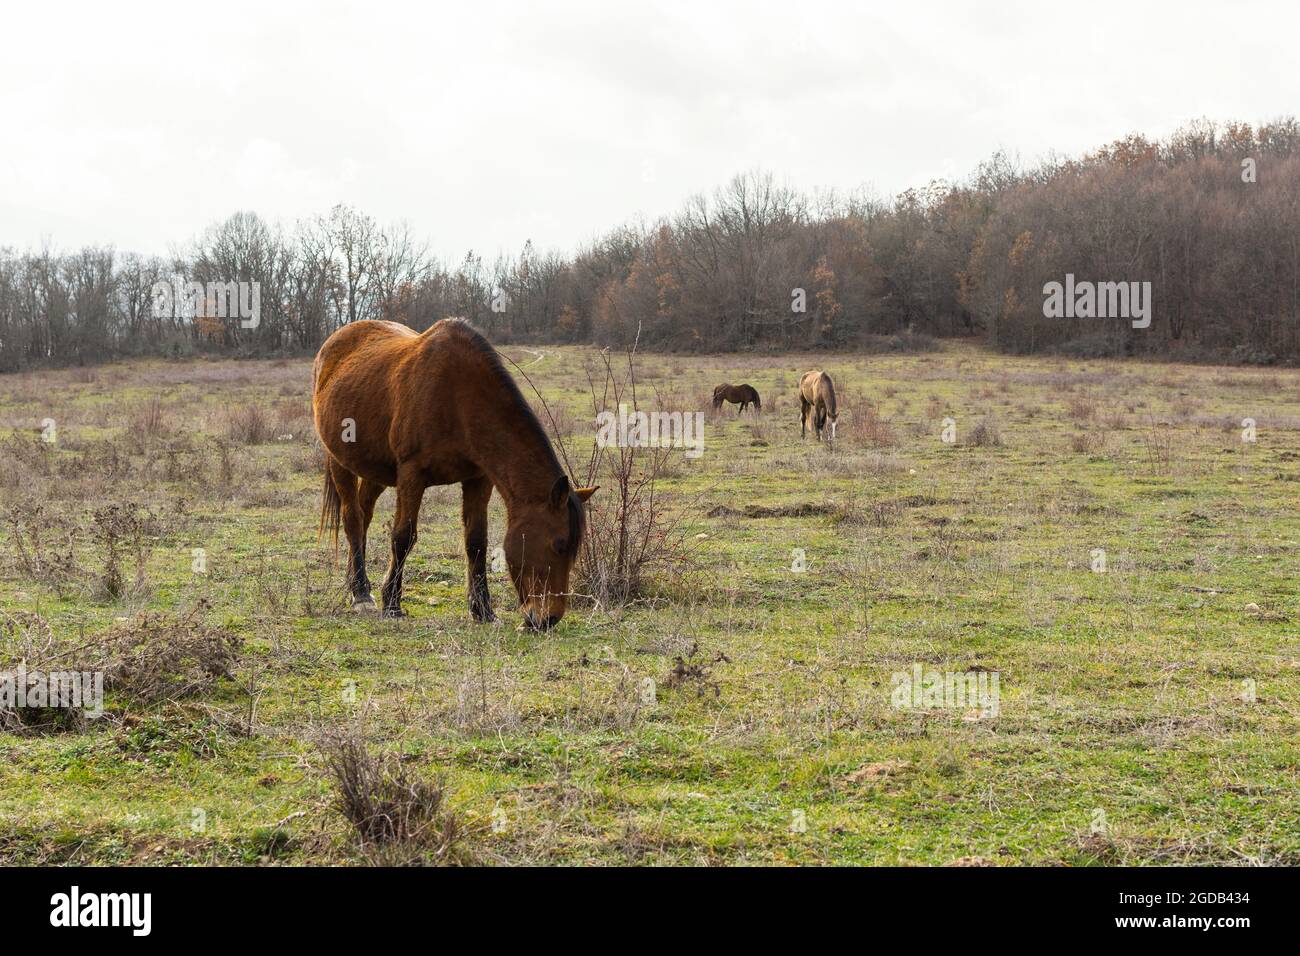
x=248, y=425
x=867, y=428
x=630, y=535
x=1087, y=443
x=157, y=657
x=27, y=640
x=397, y=817
x=560, y=418
x=986, y=433
x=693, y=671
x=293, y=420
x=150, y=420
x=43, y=545
x=1114, y=419
x=25, y=457
x=1184, y=406
x=153, y=659
x=1081, y=408
x=883, y=514
x=123, y=530
x=1158, y=440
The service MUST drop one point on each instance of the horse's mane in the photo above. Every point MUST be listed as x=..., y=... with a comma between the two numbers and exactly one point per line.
x=512, y=395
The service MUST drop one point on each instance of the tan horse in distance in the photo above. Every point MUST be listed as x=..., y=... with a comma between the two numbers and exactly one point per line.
x=742, y=395
x=394, y=408
x=817, y=394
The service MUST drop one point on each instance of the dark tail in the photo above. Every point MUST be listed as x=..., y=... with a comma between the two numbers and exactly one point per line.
x=330, y=506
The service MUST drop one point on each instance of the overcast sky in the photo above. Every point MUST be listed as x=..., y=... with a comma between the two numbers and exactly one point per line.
x=485, y=124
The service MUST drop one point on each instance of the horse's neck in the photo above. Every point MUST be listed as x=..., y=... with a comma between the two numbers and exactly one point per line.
x=517, y=458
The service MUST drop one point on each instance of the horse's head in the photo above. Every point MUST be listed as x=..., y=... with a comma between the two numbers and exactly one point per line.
x=542, y=542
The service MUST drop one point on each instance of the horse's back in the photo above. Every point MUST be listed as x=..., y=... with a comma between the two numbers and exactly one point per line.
x=363, y=377
x=367, y=341
x=808, y=384
x=816, y=385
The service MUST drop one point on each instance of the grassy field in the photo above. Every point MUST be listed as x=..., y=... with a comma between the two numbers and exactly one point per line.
x=1098, y=535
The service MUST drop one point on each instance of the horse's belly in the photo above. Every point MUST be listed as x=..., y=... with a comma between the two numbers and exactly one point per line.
x=353, y=424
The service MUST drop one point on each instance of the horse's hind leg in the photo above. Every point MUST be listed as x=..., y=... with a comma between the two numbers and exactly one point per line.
x=803, y=417
x=366, y=497
x=410, y=490
x=473, y=511
x=354, y=527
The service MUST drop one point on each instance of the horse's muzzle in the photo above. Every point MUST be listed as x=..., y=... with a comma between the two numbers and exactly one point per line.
x=539, y=623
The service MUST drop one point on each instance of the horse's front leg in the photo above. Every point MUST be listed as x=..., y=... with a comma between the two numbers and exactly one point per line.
x=473, y=513
x=410, y=490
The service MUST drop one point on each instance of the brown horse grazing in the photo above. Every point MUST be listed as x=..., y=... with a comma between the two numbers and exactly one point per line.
x=742, y=395
x=398, y=409
x=817, y=393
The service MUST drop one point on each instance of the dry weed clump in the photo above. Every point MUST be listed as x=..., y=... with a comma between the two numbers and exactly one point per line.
x=152, y=659
x=396, y=817
x=248, y=425
x=43, y=545
x=123, y=531
x=630, y=536
x=985, y=434
x=157, y=657
x=29, y=647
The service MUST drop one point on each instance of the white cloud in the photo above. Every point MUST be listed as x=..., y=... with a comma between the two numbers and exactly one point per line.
x=487, y=124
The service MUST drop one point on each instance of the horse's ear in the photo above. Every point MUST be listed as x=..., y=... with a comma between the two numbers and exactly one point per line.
x=586, y=493
x=559, y=491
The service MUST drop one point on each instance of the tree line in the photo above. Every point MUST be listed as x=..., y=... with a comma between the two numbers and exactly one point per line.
x=1209, y=216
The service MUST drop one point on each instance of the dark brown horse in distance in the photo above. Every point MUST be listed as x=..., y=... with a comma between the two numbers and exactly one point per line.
x=817, y=394
x=398, y=409
x=742, y=395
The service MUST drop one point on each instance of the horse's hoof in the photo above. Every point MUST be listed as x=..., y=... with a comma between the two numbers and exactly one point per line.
x=487, y=618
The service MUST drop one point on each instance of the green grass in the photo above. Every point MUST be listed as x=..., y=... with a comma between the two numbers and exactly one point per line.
x=1121, y=692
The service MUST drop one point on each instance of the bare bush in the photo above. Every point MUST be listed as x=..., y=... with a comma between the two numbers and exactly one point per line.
x=248, y=424
x=43, y=545
x=986, y=433
x=868, y=429
x=1158, y=441
x=123, y=531
x=630, y=534
x=150, y=420
x=29, y=647
x=158, y=657
x=397, y=818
